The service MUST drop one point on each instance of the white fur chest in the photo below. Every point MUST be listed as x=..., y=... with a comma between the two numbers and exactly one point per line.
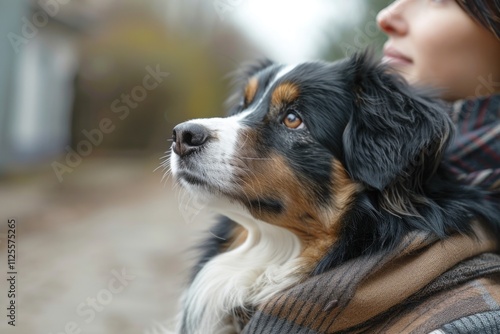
x=241, y=278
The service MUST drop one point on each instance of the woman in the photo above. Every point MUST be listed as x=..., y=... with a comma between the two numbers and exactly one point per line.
x=454, y=46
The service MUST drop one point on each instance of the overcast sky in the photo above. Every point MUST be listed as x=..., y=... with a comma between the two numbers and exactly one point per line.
x=291, y=30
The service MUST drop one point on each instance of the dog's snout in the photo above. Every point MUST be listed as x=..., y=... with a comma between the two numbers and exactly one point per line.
x=188, y=137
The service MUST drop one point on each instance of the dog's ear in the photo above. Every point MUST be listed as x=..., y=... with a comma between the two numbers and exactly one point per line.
x=251, y=68
x=239, y=79
x=394, y=132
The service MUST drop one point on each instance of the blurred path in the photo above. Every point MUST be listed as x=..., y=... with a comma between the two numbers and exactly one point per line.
x=109, y=216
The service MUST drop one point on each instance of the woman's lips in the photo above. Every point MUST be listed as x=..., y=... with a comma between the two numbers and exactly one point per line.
x=395, y=58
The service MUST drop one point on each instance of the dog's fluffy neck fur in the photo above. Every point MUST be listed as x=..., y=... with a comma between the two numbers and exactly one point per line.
x=241, y=278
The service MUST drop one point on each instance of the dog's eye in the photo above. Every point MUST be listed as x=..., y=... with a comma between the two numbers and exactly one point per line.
x=293, y=121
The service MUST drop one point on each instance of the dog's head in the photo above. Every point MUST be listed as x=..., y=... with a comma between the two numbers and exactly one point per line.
x=305, y=141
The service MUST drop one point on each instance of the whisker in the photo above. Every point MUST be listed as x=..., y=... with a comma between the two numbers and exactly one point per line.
x=247, y=172
x=160, y=166
x=246, y=135
x=167, y=174
x=216, y=236
x=247, y=158
x=246, y=195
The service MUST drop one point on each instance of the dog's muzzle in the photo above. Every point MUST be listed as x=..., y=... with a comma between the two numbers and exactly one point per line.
x=203, y=151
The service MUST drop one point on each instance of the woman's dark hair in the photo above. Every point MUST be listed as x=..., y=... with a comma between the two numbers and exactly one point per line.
x=486, y=12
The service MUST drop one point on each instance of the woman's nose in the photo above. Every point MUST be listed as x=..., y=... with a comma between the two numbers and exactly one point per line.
x=391, y=19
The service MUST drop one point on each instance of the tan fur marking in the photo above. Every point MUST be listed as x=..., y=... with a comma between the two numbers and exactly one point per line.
x=285, y=93
x=238, y=237
x=344, y=187
x=273, y=178
x=317, y=226
x=251, y=90
x=344, y=190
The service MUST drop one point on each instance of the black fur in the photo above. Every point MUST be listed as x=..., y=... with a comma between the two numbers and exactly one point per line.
x=368, y=229
x=213, y=245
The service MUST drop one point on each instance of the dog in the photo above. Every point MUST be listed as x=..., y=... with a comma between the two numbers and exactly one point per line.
x=316, y=164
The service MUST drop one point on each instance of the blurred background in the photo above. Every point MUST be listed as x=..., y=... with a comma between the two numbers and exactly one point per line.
x=89, y=93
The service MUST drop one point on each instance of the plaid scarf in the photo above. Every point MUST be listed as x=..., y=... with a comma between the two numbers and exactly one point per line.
x=474, y=156
x=419, y=287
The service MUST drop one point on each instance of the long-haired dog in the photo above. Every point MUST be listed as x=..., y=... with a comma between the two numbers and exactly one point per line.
x=316, y=164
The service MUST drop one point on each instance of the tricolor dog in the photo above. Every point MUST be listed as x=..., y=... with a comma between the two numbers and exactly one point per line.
x=316, y=164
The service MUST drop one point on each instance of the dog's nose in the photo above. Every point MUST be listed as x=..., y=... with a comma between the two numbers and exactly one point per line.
x=188, y=137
